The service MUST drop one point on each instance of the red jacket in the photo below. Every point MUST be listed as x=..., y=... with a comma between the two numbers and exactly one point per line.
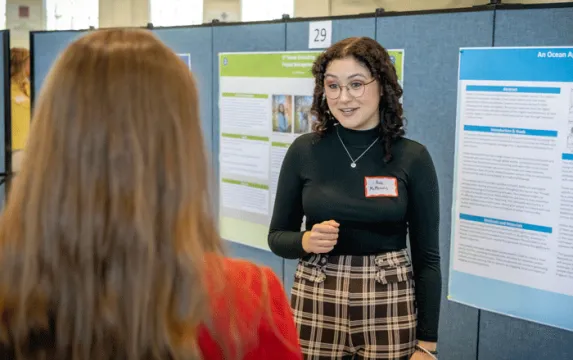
x=276, y=337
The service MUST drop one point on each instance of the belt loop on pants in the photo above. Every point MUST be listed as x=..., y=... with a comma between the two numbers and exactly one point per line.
x=312, y=268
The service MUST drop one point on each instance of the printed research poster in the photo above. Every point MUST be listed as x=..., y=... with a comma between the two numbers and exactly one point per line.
x=512, y=233
x=264, y=105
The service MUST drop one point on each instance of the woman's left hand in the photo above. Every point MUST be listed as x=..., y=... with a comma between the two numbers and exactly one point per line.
x=418, y=355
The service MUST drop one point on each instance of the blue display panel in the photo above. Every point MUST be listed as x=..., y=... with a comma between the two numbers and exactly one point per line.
x=196, y=46
x=298, y=31
x=502, y=336
x=190, y=44
x=431, y=43
x=46, y=46
x=244, y=38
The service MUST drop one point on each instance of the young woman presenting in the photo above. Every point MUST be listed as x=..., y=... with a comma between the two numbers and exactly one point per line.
x=362, y=187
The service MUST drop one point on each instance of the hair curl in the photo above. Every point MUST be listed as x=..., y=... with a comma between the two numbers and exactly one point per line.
x=375, y=57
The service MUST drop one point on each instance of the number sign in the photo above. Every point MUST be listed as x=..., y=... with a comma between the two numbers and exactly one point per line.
x=319, y=34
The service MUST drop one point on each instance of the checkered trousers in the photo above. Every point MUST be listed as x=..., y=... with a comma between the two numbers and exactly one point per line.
x=358, y=307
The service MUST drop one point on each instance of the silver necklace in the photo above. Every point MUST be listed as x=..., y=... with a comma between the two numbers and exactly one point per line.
x=353, y=161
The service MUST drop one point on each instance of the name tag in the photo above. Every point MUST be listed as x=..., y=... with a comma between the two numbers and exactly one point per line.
x=380, y=186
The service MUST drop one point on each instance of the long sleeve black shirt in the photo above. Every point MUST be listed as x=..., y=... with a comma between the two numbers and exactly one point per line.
x=317, y=182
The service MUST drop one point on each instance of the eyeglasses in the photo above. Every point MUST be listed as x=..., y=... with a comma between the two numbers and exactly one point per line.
x=355, y=89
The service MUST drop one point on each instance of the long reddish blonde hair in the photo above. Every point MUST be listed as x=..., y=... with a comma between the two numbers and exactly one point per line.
x=108, y=247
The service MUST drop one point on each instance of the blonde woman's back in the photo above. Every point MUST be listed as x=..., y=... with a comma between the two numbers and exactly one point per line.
x=108, y=249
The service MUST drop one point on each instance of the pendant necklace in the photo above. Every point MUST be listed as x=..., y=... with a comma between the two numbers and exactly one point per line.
x=353, y=161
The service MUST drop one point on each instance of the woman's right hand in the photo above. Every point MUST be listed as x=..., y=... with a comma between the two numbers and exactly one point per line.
x=322, y=238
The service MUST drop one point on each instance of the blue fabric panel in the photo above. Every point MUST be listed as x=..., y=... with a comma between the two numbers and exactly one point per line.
x=196, y=41
x=503, y=337
x=244, y=38
x=47, y=47
x=199, y=41
x=297, y=32
x=539, y=27
x=258, y=256
x=431, y=44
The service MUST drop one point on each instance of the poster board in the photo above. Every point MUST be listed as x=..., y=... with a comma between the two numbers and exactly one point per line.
x=264, y=105
x=512, y=214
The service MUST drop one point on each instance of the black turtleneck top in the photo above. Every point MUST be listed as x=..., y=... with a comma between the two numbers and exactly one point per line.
x=377, y=205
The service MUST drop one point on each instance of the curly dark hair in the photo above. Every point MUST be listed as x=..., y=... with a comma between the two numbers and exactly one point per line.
x=374, y=56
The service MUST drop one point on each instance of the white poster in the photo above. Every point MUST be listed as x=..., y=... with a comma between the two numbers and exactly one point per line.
x=264, y=104
x=512, y=236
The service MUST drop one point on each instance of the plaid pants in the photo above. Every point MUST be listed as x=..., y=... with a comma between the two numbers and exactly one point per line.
x=360, y=307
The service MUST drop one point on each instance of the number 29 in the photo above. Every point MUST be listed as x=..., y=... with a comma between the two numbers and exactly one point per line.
x=320, y=35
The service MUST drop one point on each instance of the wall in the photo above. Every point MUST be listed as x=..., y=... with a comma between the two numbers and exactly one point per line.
x=115, y=13
x=305, y=8
x=136, y=12
x=222, y=10
x=20, y=27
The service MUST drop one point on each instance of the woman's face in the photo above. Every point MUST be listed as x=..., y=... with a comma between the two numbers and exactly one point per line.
x=357, y=113
x=281, y=108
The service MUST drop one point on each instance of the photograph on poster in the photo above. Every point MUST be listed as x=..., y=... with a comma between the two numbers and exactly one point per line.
x=303, y=116
x=282, y=113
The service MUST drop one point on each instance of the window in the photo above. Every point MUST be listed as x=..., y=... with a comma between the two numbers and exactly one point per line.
x=71, y=14
x=176, y=12
x=260, y=10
